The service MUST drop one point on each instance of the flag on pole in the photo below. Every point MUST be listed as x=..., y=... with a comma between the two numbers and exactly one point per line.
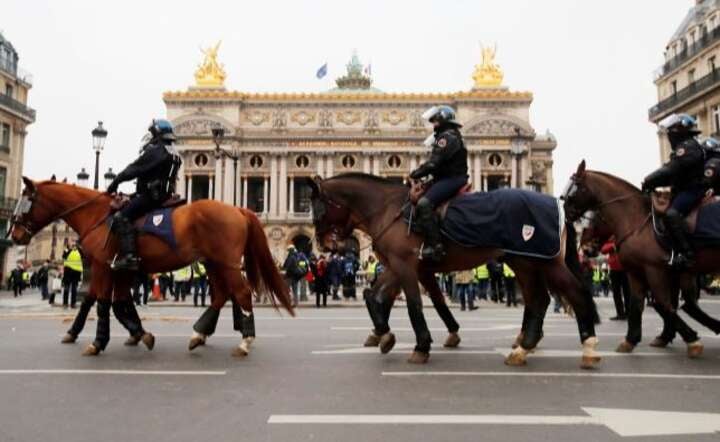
x=322, y=71
x=368, y=70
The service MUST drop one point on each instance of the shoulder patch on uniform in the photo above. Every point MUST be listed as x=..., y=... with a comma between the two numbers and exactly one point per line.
x=709, y=172
x=680, y=151
x=442, y=142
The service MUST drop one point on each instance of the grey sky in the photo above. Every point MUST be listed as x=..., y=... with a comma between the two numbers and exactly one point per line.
x=588, y=63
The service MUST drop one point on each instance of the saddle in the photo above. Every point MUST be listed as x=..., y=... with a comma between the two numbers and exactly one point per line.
x=418, y=189
x=157, y=222
x=661, y=199
x=121, y=201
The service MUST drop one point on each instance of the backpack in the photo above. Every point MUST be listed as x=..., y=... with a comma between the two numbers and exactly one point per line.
x=301, y=266
x=349, y=267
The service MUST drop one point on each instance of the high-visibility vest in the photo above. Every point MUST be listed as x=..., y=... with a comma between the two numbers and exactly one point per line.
x=481, y=272
x=200, y=270
x=507, y=271
x=26, y=276
x=596, y=275
x=371, y=268
x=182, y=275
x=74, y=261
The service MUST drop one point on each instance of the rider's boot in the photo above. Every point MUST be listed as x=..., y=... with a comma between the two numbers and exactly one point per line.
x=126, y=258
x=683, y=255
x=429, y=223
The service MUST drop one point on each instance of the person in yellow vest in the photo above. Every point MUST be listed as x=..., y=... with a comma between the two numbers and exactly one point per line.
x=370, y=271
x=481, y=276
x=199, y=283
x=509, y=276
x=182, y=279
x=72, y=273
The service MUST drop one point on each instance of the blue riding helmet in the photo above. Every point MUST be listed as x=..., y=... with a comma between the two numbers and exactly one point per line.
x=442, y=114
x=679, y=123
x=711, y=144
x=163, y=129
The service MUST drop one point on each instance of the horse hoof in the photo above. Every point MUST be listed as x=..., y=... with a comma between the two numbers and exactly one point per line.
x=590, y=362
x=518, y=340
x=515, y=359
x=132, y=341
x=239, y=352
x=68, y=339
x=387, y=342
x=91, y=350
x=195, y=342
x=452, y=341
x=659, y=342
x=418, y=357
x=625, y=347
x=372, y=340
x=695, y=349
x=149, y=340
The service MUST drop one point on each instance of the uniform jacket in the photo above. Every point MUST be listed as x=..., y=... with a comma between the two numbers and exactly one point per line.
x=684, y=169
x=448, y=157
x=155, y=170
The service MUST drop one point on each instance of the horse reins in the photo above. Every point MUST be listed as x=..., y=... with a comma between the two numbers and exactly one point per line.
x=632, y=232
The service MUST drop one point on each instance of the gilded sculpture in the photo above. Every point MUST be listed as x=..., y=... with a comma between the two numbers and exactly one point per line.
x=488, y=74
x=210, y=73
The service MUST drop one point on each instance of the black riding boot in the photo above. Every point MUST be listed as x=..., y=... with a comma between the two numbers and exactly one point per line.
x=126, y=258
x=683, y=255
x=429, y=223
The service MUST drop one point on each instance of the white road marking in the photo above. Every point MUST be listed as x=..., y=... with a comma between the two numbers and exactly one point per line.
x=187, y=335
x=550, y=374
x=624, y=422
x=374, y=350
x=541, y=353
x=463, y=329
x=115, y=372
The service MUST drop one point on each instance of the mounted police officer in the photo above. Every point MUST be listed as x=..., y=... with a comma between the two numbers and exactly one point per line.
x=448, y=167
x=684, y=172
x=155, y=171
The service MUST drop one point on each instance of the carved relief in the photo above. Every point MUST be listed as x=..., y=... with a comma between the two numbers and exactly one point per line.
x=348, y=117
x=416, y=121
x=279, y=120
x=372, y=122
x=198, y=127
x=394, y=117
x=539, y=168
x=302, y=118
x=257, y=118
x=325, y=119
x=497, y=127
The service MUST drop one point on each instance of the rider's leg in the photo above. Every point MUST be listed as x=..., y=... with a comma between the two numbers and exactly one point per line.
x=682, y=204
x=430, y=226
x=122, y=226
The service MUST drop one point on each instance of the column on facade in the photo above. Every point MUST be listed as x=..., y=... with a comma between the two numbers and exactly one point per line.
x=524, y=170
x=274, y=185
x=320, y=165
x=376, y=164
x=266, y=206
x=218, y=184
x=329, y=166
x=413, y=162
x=238, y=180
x=283, y=185
x=180, y=185
x=292, y=195
x=484, y=182
x=244, y=183
x=513, y=171
x=189, y=189
x=211, y=187
x=366, y=162
x=477, y=171
x=227, y=180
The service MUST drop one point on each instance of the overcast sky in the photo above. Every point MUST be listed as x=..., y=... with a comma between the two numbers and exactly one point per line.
x=589, y=64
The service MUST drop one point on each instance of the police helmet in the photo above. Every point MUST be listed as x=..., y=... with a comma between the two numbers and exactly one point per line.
x=162, y=129
x=711, y=144
x=681, y=124
x=441, y=114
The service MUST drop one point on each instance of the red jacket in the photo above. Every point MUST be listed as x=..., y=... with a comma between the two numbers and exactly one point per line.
x=613, y=260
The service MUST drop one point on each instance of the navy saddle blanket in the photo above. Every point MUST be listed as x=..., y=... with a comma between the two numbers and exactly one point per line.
x=707, y=225
x=159, y=223
x=520, y=222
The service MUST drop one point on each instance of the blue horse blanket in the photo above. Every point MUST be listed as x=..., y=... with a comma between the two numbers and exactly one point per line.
x=707, y=225
x=520, y=222
x=159, y=223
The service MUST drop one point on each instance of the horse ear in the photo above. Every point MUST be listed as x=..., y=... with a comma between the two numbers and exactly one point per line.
x=314, y=183
x=29, y=184
x=581, y=168
x=53, y=178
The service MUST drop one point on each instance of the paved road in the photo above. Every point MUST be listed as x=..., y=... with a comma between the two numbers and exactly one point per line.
x=308, y=377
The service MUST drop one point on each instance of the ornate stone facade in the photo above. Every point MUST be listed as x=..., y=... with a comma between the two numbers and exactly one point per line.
x=281, y=139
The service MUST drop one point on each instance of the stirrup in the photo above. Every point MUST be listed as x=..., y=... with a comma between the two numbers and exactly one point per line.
x=436, y=253
x=128, y=262
x=680, y=260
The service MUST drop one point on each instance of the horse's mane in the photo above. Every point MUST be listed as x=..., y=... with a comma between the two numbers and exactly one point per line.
x=364, y=176
x=616, y=178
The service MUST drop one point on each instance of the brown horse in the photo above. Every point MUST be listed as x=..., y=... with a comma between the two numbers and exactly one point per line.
x=628, y=211
x=373, y=204
x=596, y=231
x=219, y=234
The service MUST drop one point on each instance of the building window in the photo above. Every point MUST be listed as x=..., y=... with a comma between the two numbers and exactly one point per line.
x=394, y=161
x=716, y=119
x=201, y=160
x=691, y=76
x=302, y=161
x=495, y=160
x=673, y=87
x=3, y=180
x=256, y=194
x=9, y=90
x=301, y=196
x=348, y=161
x=200, y=187
x=256, y=161
x=5, y=136
x=711, y=64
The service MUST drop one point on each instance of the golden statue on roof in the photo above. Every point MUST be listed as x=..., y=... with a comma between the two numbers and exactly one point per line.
x=488, y=74
x=210, y=73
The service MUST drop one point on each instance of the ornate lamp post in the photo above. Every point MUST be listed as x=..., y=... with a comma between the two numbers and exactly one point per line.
x=82, y=178
x=99, y=134
x=218, y=135
x=517, y=149
x=109, y=177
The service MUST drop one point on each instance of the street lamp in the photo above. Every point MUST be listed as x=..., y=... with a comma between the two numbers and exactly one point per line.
x=109, y=177
x=99, y=134
x=517, y=149
x=218, y=134
x=82, y=178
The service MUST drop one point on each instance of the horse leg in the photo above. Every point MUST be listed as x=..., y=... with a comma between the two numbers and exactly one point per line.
x=243, y=298
x=80, y=318
x=379, y=300
x=404, y=268
x=535, y=296
x=638, y=288
x=206, y=324
x=562, y=280
x=101, y=286
x=427, y=279
x=690, y=292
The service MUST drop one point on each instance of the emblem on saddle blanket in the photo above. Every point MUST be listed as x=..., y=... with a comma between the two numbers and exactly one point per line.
x=527, y=232
x=159, y=223
x=157, y=219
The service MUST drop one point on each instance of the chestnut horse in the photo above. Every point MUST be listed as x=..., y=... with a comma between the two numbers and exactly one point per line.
x=628, y=212
x=373, y=204
x=217, y=233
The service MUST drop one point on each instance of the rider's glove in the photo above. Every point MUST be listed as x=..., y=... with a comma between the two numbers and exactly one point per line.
x=113, y=187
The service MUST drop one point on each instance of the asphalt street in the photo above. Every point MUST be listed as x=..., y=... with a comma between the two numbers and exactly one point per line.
x=309, y=379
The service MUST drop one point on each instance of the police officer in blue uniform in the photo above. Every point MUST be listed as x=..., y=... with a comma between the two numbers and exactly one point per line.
x=448, y=167
x=684, y=172
x=155, y=171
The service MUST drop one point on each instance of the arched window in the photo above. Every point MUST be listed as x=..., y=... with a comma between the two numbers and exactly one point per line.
x=495, y=160
x=256, y=161
x=348, y=161
x=394, y=161
x=302, y=161
x=201, y=160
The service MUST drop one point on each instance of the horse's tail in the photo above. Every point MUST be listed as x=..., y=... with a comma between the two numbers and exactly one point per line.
x=572, y=261
x=260, y=268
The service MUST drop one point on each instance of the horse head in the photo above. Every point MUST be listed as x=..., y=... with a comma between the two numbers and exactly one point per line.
x=28, y=217
x=577, y=197
x=595, y=232
x=332, y=220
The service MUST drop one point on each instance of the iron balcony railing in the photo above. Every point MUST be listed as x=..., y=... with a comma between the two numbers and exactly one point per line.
x=10, y=102
x=12, y=68
x=689, y=51
x=695, y=88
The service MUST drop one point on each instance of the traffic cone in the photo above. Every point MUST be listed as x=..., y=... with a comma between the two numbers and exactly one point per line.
x=156, y=295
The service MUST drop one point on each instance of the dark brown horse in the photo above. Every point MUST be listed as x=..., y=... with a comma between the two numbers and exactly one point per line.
x=372, y=205
x=628, y=211
x=596, y=232
x=212, y=231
